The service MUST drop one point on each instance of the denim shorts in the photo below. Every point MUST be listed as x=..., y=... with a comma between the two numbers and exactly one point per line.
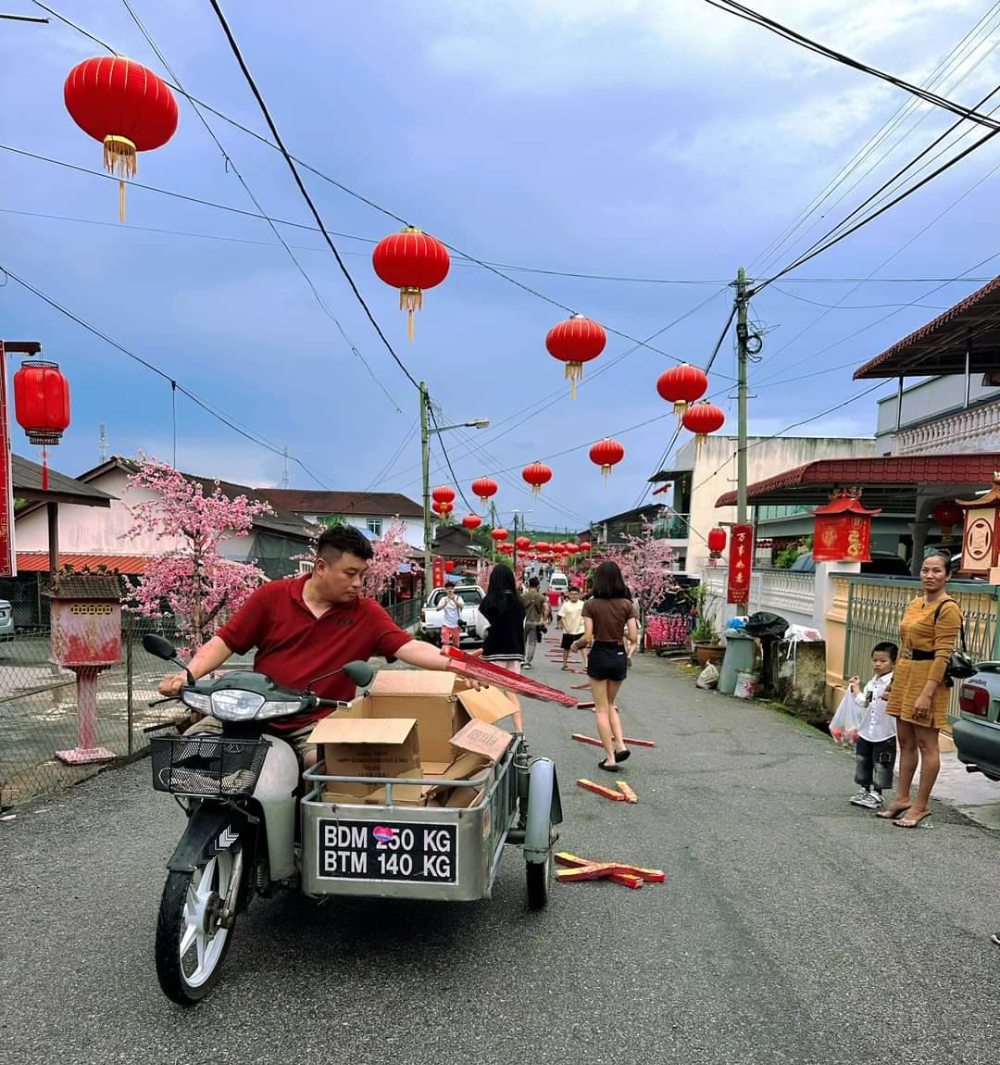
x=874, y=762
x=607, y=661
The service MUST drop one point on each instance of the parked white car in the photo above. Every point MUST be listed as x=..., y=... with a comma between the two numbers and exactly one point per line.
x=472, y=623
x=6, y=621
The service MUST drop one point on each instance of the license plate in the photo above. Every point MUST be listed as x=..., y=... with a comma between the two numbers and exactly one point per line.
x=413, y=852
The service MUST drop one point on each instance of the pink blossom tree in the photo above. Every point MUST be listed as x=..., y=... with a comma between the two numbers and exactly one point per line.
x=391, y=551
x=644, y=560
x=194, y=581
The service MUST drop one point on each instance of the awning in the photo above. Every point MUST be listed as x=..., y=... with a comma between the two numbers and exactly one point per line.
x=669, y=475
x=127, y=565
x=940, y=346
x=890, y=483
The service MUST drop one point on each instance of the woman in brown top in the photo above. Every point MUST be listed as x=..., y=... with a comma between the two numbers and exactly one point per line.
x=918, y=697
x=609, y=623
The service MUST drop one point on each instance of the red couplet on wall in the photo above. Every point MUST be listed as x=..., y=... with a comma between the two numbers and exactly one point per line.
x=740, y=564
x=437, y=572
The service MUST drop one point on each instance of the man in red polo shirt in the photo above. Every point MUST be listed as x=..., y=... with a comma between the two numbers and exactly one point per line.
x=310, y=626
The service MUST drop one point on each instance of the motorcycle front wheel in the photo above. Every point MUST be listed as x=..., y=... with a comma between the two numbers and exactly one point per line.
x=191, y=945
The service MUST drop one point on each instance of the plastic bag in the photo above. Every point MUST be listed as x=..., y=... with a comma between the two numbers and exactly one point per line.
x=846, y=721
x=708, y=677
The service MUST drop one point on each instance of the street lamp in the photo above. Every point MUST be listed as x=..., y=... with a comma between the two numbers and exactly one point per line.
x=425, y=462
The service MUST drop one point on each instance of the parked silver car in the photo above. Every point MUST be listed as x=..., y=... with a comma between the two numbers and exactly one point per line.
x=977, y=732
x=6, y=621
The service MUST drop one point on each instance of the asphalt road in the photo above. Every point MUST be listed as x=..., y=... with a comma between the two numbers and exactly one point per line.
x=792, y=927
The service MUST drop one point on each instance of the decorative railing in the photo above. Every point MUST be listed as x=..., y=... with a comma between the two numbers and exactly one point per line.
x=976, y=429
x=792, y=595
x=875, y=607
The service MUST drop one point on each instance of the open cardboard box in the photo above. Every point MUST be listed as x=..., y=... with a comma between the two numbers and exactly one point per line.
x=443, y=706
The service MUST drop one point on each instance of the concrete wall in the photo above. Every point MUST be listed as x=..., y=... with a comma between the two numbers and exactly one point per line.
x=714, y=472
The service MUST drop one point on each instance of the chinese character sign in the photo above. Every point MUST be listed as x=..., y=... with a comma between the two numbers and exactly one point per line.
x=842, y=538
x=741, y=551
x=438, y=572
x=8, y=567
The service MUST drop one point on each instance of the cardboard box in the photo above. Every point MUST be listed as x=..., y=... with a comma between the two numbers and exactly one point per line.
x=368, y=735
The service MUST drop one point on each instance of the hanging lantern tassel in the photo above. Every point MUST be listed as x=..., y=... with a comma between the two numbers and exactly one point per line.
x=680, y=407
x=606, y=469
x=45, y=469
x=574, y=373
x=410, y=300
x=120, y=159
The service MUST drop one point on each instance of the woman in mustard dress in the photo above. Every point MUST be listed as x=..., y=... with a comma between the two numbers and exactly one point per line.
x=919, y=697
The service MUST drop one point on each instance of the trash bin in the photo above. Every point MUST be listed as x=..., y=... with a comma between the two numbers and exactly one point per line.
x=741, y=653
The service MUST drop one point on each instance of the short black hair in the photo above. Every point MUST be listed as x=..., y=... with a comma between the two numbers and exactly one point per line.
x=887, y=647
x=533, y=582
x=609, y=583
x=338, y=539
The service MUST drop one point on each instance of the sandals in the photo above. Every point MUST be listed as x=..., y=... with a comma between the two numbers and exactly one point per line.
x=607, y=768
x=914, y=822
x=892, y=815
x=622, y=756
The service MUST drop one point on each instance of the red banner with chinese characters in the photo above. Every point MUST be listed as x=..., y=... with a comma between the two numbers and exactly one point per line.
x=844, y=538
x=437, y=572
x=8, y=561
x=740, y=564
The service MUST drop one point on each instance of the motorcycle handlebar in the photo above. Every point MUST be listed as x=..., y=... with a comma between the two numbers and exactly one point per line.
x=333, y=704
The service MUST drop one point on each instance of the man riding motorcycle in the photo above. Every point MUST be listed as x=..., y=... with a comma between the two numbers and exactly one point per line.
x=305, y=630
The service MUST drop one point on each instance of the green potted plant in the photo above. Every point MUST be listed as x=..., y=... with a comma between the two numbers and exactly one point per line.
x=705, y=641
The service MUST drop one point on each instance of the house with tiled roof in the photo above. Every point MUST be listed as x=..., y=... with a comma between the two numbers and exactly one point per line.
x=371, y=512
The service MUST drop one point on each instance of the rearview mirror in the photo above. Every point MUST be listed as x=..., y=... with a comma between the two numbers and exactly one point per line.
x=159, y=646
x=359, y=674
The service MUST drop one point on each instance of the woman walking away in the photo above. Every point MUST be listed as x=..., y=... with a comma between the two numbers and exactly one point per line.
x=504, y=643
x=918, y=698
x=609, y=625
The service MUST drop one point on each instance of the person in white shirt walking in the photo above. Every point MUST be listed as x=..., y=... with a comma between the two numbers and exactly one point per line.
x=451, y=627
x=570, y=619
x=875, y=750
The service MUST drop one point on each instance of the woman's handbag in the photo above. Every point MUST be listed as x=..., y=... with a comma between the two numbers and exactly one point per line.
x=960, y=665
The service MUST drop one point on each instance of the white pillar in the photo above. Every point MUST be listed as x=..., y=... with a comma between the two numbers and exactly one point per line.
x=919, y=530
x=824, y=588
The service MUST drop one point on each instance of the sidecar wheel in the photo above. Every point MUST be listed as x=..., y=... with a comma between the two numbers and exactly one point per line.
x=191, y=945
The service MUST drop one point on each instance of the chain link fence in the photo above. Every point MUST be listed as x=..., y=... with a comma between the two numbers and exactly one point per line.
x=38, y=713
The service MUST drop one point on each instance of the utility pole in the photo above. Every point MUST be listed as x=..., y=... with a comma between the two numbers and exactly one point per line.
x=514, y=554
x=285, y=480
x=741, y=444
x=493, y=525
x=102, y=443
x=425, y=464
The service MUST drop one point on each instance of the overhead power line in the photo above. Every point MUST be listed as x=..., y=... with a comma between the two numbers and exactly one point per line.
x=749, y=15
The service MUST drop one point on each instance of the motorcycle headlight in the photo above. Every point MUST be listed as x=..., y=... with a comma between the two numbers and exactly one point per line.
x=235, y=705
x=280, y=709
x=198, y=701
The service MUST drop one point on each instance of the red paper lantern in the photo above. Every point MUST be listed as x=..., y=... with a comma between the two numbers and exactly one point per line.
x=717, y=542
x=947, y=515
x=843, y=528
x=542, y=548
x=522, y=543
x=499, y=535
x=574, y=342
x=125, y=106
x=682, y=385
x=449, y=567
x=586, y=545
x=536, y=475
x=606, y=453
x=411, y=261
x=41, y=403
x=484, y=487
x=703, y=418
x=506, y=549
x=442, y=509
x=472, y=522
x=444, y=494
x=572, y=549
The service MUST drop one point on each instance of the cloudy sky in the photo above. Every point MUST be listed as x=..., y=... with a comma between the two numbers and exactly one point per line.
x=660, y=140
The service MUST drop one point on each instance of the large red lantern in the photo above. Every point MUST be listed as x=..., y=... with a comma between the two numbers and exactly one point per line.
x=484, y=487
x=499, y=535
x=522, y=543
x=536, y=475
x=444, y=494
x=703, y=418
x=125, y=106
x=947, y=515
x=411, y=261
x=472, y=522
x=442, y=509
x=606, y=453
x=41, y=403
x=716, y=542
x=449, y=567
x=586, y=545
x=506, y=549
x=542, y=548
x=574, y=342
x=682, y=385
x=843, y=528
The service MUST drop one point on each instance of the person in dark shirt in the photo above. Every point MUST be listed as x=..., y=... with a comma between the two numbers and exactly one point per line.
x=536, y=613
x=310, y=626
x=504, y=643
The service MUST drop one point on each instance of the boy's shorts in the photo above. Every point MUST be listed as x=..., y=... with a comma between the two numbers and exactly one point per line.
x=568, y=639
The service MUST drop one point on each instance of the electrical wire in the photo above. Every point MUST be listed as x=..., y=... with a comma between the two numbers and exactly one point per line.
x=749, y=15
x=396, y=455
x=217, y=413
x=770, y=253
x=230, y=164
x=305, y=193
x=444, y=451
x=857, y=306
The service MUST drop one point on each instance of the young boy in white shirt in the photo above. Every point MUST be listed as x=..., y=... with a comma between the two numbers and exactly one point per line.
x=875, y=751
